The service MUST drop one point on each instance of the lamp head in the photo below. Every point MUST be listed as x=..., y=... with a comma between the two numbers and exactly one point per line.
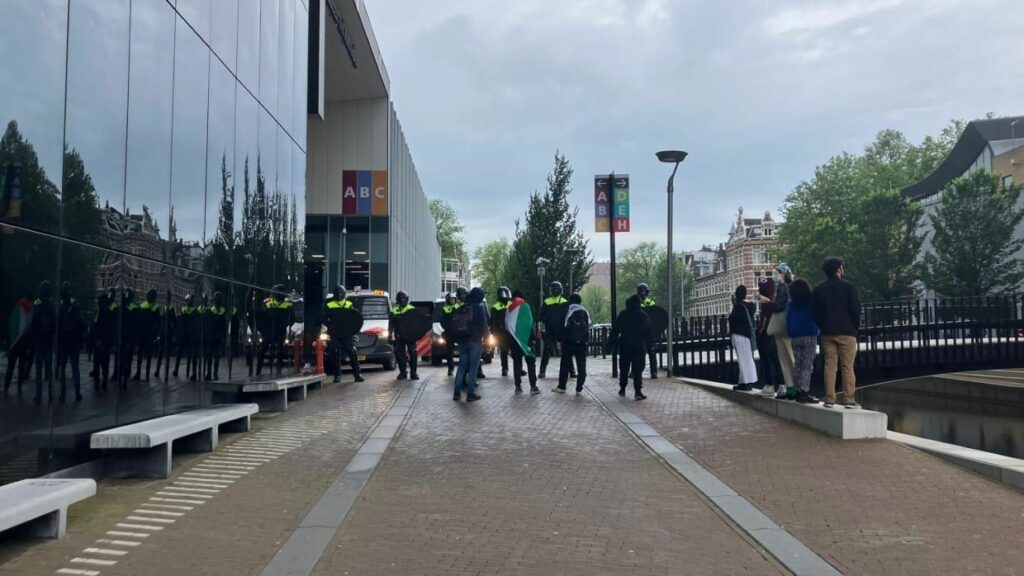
x=672, y=156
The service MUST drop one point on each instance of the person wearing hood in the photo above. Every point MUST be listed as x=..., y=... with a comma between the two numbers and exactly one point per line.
x=771, y=370
x=471, y=347
x=574, y=341
x=741, y=331
x=451, y=304
x=522, y=342
x=501, y=337
x=777, y=330
x=629, y=332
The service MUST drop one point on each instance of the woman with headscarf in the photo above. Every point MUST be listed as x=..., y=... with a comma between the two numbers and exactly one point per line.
x=741, y=331
x=771, y=371
x=777, y=329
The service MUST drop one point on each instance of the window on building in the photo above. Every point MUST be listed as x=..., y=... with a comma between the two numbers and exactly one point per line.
x=758, y=256
x=1007, y=181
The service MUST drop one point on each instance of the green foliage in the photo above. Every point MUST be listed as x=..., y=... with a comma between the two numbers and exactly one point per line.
x=450, y=231
x=596, y=300
x=647, y=262
x=489, y=264
x=548, y=230
x=973, y=248
x=852, y=208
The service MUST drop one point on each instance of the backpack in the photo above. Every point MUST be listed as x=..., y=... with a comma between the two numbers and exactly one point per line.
x=577, y=328
x=458, y=326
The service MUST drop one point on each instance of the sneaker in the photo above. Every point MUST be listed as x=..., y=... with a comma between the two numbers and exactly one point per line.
x=472, y=397
x=654, y=376
x=457, y=397
x=829, y=404
x=639, y=396
x=451, y=372
x=336, y=380
x=559, y=389
x=504, y=373
x=851, y=405
x=535, y=391
x=360, y=379
x=415, y=377
x=402, y=376
x=743, y=388
x=519, y=389
x=579, y=391
x=622, y=391
x=805, y=398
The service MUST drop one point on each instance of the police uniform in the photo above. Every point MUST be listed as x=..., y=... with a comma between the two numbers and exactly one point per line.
x=652, y=355
x=187, y=336
x=449, y=347
x=148, y=323
x=405, y=350
x=279, y=315
x=215, y=319
x=498, y=330
x=69, y=345
x=551, y=335
x=340, y=345
x=44, y=327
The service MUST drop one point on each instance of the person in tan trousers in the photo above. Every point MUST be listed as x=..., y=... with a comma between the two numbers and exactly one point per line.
x=837, y=312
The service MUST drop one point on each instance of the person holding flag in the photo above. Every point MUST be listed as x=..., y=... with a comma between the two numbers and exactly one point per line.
x=519, y=325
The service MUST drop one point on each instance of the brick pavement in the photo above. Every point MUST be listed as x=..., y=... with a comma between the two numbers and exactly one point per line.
x=240, y=528
x=529, y=485
x=868, y=507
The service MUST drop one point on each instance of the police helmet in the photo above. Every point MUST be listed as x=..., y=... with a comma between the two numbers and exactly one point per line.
x=402, y=298
x=461, y=292
x=189, y=299
x=44, y=290
x=339, y=292
x=504, y=294
x=449, y=298
x=151, y=295
x=643, y=289
x=218, y=299
x=65, y=289
x=556, y=288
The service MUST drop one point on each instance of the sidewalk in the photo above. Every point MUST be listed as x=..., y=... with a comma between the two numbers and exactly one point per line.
x=868, y=507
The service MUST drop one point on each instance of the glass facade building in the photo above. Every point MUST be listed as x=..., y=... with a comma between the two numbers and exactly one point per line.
x=153, y=161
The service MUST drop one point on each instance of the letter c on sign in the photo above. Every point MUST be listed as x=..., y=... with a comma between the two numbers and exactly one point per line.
x=379, y=192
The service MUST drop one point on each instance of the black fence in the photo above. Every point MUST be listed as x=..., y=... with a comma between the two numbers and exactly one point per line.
x=897, y=339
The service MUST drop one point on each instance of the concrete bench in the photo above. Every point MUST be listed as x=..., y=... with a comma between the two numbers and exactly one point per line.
x=144, y=449
x=39, y=506
x=272, y=395
x=838, y=422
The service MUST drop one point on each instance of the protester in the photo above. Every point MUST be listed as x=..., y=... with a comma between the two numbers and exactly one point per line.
x=741, y=331
x=471, y=347
x=771, y=371
x=522, y=341
x=803, y=333
x=777, y=328
x=575, y=339
x=836, y=308
x=629, y=333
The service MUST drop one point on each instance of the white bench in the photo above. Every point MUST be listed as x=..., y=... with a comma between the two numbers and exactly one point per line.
x=272, y=395
x=39, y=506
x=144, y=449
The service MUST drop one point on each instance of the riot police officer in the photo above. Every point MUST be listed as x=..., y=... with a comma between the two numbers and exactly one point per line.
x=405, y=349
x=551, y=332
x=69, y=341
x=280, y=315
x=129, y=338
x=451, y=304
x=215, y=327
x=187, y=336
x=498, y=326
x=148, y=323
x=342, y=340
x=104, y=337
x=643, y=291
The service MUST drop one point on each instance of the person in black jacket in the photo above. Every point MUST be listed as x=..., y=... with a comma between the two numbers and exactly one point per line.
x=148, y=319
x=629, y=333
x=837, y=313
x=573, y=344
x=104, y=335
x=215, y=328
x=69, y=342
x=741, y=332
x=44, y=328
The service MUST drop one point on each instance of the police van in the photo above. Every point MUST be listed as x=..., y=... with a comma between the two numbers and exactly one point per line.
x=372, y=344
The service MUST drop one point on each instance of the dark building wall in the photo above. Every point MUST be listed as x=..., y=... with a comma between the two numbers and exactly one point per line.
x=148, y=145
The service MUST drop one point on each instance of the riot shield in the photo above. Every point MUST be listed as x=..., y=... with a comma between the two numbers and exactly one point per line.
x=659, y=322
x=412, y=325
x=345, y=322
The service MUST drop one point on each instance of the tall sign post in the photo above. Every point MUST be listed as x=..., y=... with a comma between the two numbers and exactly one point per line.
x=611, y=215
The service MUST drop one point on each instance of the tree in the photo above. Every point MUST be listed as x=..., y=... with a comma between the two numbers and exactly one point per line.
x=449, y=230
x=635, y=265
x=548, y=230
x=596, y=300
x=852, y=208
x=490, y=263
x=973, y=244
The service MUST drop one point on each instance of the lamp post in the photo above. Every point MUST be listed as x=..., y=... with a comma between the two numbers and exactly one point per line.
x=344, y=259
x=675, y=157
x=542, y=267
x=572, y=253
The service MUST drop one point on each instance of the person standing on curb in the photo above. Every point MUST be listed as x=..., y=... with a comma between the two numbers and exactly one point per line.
x=803, y=333
x=741, y=331
x=471, y=346
x=837, y=313
x=771, y=372
x=777, y=329
x=575, y=339
x=629, y=333
x=522, y=341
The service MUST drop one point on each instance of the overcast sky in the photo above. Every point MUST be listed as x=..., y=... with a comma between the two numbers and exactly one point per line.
x=759, y=92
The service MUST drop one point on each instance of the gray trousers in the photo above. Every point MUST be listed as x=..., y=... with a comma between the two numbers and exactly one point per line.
x=804, y=350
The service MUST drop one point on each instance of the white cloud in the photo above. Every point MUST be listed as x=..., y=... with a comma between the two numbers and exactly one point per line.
x=819, y=16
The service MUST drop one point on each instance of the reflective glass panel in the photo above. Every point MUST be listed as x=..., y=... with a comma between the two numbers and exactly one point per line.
x=32, y=111
x=269, y=28
x=285, y=63
x=266, y=205
x=220, y=165
x=97, y=115
x=197, y=14
x=248, y=69
x=188, y=168
x=224, y=30
x=247, y=114
x=301, y=75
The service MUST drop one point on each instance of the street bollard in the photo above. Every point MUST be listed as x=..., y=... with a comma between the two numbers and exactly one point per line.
x=298, y=355
x=318, y=349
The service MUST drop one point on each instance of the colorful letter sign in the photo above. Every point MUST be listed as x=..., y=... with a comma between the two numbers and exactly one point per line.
x=611, y=203
x=364, y=193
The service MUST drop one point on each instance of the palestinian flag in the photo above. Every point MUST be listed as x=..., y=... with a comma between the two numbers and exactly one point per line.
x=519, y=323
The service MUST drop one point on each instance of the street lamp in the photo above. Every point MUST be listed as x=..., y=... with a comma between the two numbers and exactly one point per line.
x=343, y=263
x=572, y=253
x=542, y=267
x=672, y=157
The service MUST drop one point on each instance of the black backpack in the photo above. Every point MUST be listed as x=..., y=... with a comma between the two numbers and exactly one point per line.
x=458, y=326
x=577, y=328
